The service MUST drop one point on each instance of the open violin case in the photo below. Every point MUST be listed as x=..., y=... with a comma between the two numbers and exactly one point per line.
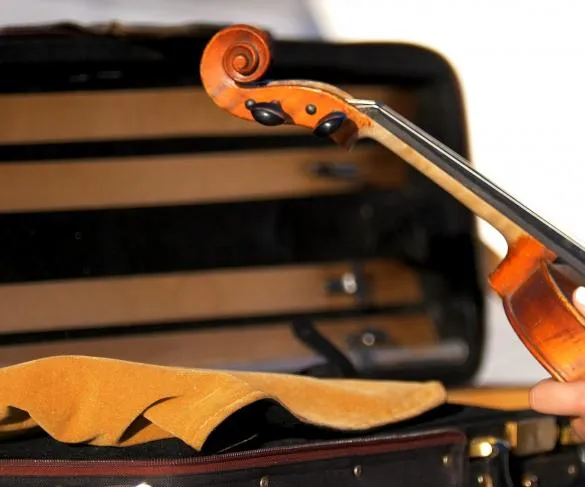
x=190, y=299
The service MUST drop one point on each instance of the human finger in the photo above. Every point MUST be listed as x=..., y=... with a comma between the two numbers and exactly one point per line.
x=579, y=299
x=563, y=399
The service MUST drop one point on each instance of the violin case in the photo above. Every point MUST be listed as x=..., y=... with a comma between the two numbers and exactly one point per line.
x=190, y=299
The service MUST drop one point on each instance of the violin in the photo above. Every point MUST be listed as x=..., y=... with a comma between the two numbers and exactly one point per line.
x=542, y=267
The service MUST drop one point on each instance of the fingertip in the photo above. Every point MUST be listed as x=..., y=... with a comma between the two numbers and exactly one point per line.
x=542, y=383
x=579, y=296
x=552, y=397
x=538, y=393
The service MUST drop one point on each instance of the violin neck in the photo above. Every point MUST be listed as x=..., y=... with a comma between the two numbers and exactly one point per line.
x=456, y=176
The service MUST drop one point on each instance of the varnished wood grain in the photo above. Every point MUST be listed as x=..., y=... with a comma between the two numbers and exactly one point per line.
x=223, y=71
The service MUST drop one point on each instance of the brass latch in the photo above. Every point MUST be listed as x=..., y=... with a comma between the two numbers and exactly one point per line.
x=484, y=447
x=532, y=436
x=524, y=437
x=568, y=437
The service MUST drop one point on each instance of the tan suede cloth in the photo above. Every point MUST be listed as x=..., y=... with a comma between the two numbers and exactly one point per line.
x=107, y=402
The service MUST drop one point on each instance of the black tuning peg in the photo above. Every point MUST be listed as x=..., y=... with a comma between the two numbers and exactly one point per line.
x=264, y=113
x=329, y=124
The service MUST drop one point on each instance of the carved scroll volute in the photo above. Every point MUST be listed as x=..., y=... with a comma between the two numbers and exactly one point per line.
x=232, y=67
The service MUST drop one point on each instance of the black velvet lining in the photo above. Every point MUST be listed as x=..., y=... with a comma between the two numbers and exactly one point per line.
x=132, y=241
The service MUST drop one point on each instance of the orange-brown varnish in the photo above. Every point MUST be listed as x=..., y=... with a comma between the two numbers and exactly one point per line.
x=244, y=52
x=536, y=294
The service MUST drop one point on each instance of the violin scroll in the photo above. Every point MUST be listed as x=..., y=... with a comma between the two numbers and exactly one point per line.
x=232, y=66
x=244, y=52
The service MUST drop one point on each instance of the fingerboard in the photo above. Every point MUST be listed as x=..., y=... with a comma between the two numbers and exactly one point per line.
x=461, y=170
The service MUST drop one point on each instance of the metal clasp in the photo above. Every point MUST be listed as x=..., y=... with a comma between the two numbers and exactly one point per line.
x=567, y=437
x=485, y=447
x=352, y=283
x=532, y=436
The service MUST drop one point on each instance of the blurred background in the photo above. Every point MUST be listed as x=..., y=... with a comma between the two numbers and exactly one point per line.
x=519, y=68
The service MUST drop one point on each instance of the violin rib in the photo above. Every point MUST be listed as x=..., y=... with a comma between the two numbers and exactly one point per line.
x=541, y=314
x=534, y=289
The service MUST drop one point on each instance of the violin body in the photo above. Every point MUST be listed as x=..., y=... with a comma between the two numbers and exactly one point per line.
x=536, y=295
x=535, y=288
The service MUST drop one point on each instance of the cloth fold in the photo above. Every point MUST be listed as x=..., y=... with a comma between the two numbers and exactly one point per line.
x=107, y=402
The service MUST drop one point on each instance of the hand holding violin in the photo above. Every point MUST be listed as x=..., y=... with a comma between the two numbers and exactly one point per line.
x=563, y=398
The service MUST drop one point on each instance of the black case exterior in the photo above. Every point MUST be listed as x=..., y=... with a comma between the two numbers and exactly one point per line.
x=433, y=449
x=409, y=460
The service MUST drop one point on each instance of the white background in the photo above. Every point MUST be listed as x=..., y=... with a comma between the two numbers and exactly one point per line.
x=521, y=68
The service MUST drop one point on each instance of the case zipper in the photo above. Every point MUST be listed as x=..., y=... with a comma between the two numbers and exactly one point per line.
x=261, y=457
